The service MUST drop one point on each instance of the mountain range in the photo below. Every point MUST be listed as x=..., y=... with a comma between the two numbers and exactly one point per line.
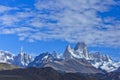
x=73, y=60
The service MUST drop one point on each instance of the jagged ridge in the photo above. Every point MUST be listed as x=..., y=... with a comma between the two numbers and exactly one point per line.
x=80, y=52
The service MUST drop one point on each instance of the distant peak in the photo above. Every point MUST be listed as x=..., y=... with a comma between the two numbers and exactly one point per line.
x=106, y=58
x=21, y=50
x=54, y=54
x=68, y=47
x=80, y=45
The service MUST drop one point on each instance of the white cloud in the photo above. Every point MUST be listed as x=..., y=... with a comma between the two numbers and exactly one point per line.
x=69, y=20
x=4, y=9
x=8, y=20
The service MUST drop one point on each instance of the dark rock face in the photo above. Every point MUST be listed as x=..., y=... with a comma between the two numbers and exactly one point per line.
x=118, y=70
x=80, y=45
x=67, y=53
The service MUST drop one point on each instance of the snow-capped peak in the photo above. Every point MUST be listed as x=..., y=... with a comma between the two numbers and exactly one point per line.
x=6, y=56
x=21, y=51
x=42, y=59
x=106, y=58
x=99, y=57
x=103, y=62
x=22, y=59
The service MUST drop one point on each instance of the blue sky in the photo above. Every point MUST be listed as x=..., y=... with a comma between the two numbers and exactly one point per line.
x=47, y=25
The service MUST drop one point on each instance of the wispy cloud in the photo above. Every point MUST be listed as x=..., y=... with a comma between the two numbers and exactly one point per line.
x=69, y=20
x=4, y=9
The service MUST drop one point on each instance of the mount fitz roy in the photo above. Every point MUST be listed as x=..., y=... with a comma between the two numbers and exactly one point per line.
x=96, y=59
x=74, y=60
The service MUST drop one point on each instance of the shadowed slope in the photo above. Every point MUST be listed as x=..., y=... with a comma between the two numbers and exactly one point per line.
x=51, y=74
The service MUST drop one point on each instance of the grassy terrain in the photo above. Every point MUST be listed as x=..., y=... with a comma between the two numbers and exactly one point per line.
x=4, y=66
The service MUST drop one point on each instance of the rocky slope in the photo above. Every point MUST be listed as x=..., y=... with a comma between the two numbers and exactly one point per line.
x=73, y=66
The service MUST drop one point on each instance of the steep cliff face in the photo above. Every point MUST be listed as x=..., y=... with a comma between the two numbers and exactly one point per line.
x=80, y=51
